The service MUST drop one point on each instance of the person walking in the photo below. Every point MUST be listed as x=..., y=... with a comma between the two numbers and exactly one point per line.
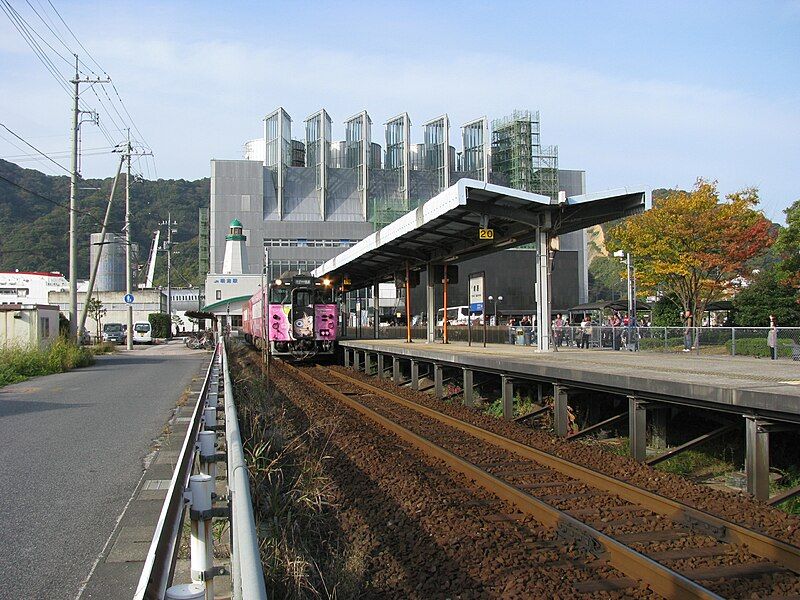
x=772, y=338
x=688, y=325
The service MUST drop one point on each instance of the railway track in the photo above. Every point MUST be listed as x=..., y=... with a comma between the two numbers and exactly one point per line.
x=675, y=550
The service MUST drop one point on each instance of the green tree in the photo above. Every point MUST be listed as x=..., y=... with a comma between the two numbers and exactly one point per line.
x=767, y=295
x=606, y=279
x=667, y=312
x=97, y=312
x=788, y=247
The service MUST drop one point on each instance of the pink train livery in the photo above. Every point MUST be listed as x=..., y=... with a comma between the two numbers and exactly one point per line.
x=302, y=320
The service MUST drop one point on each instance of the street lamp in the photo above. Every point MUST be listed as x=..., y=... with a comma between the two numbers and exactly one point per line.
x=499, y=299
x=631, y=291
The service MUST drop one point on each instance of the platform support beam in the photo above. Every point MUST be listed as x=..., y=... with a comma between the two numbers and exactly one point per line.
x=539, y=395
x=347, y=357
x=469, y=398
x=659, y=415
x=367, y=363
x=438, y=379
x=508, y=397
x=414, y=374
x=756, y=463
x=396, y=370
x=560, y=410
x=381, y=366
x=430, y=304
x=356, y=360
x=637, y=428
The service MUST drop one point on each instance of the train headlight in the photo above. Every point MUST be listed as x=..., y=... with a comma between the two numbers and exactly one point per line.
x=326, y=282
x=278, y=281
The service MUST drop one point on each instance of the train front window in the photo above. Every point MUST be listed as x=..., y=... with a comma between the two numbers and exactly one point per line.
x=303, y=297
x=279, y=295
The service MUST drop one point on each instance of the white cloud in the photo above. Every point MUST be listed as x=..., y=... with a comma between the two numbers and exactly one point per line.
x=199, y=99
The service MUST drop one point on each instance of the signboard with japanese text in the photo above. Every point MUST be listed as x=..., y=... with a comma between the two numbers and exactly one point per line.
x=476, y=288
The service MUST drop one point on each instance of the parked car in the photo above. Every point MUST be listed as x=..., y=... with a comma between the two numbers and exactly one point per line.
x=142, y=333
x=114, y=333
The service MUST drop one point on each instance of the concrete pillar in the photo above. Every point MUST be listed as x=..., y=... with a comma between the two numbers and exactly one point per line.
x=438, y=386
x=368, y=363
x=346, y=357
x=508, y=397
x=469, y=399
x=381, y=366
x=560, y=410
x=756, y=462
x=414, y=374
x=659, y=415
x=637, y=428
x=539, y=395
x=356, y=360
x=430, y=305
x=396, y=370
x=543, y=289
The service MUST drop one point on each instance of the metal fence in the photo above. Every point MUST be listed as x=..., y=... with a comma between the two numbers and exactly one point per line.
x=191, y=489
x=722, y=341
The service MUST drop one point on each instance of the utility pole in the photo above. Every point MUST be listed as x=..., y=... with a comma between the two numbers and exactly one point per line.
x=74, y=332
x=168, y=248
x=128, y=271
x=128, y=282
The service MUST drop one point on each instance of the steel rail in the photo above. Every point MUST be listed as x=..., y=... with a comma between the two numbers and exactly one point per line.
x=247, y=570
x=160, y=561
x=661, y=579
x=758, y=543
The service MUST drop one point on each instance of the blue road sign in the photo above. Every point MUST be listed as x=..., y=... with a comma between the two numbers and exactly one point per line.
x=128, y=298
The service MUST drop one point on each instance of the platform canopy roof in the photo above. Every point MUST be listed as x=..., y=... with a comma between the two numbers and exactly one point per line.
x=445, y=228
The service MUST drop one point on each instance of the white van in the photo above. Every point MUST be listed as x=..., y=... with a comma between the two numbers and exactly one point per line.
x=142, y=333
x=456, y=315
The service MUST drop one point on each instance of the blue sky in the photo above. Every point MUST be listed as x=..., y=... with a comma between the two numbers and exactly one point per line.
x=635, y=93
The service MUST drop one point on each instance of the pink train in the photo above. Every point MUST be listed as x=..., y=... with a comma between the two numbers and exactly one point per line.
x=302, y=319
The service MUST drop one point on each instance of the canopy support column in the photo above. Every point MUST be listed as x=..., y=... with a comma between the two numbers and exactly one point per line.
x=430, y=304
x=543, y=289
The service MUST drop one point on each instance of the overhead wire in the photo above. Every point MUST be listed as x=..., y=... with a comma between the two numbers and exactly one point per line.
x=119, y=120
x=27, y=143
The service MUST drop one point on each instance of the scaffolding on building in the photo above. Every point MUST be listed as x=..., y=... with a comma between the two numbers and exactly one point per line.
x=386, y=210
x=518, y=158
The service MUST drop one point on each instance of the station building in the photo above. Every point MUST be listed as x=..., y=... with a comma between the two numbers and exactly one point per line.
x=307, y=201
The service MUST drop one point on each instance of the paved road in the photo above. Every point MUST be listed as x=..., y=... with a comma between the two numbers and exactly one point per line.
x=73, y=446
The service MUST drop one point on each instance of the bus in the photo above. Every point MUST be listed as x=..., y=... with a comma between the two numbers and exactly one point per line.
x=458, y=315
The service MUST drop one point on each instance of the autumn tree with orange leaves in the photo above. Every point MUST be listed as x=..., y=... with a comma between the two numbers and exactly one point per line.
x=693, y=244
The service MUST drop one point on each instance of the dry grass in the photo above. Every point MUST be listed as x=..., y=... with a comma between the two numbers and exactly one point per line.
x=293, y=496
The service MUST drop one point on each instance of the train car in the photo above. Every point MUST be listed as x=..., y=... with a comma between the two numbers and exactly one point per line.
x=300, y=319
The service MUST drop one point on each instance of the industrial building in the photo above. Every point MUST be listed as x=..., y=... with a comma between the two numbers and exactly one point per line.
x=307, y=201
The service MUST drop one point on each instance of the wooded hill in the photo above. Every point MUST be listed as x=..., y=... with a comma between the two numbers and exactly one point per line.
x=34, y=220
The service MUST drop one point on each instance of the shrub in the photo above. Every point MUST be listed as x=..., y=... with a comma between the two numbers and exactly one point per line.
x=19, y=364
x=161, y=324
x=758, y=347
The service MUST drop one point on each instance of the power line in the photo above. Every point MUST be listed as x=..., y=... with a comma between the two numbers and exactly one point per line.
x=24, y=141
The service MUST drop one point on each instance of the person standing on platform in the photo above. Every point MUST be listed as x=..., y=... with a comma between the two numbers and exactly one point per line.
x=772, y=338
x=688, y=325
x=586, y=332
x=558, y=329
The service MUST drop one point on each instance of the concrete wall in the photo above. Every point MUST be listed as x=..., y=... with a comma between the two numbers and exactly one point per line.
x=237, y=192
x=147, y=301
x=28, y=327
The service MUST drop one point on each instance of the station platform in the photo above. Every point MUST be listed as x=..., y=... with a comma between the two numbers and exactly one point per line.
x=742, y=385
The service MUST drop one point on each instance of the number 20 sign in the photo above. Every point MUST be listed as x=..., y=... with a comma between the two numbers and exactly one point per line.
x=485, y=234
